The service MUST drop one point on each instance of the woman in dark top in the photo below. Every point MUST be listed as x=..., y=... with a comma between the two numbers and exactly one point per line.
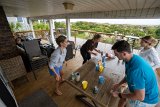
x=89, y=46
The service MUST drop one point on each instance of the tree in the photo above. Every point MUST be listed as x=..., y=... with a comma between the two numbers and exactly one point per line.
x=40, y=26
x=15, y=26
x=157, y=33
x=124, y=29
x=59, y=25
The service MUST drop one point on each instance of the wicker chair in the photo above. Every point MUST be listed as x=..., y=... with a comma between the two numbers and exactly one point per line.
x=13, y=68
x=70, y=49
x=36, y=59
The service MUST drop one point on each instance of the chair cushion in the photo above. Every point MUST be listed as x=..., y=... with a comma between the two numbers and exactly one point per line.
x=32, y=48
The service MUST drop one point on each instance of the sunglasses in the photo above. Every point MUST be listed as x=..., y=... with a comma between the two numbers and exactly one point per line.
x=146, y=41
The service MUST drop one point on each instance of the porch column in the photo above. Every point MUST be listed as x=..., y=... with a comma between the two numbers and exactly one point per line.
x=68, y=28
x=52, y=29
x=31, y=26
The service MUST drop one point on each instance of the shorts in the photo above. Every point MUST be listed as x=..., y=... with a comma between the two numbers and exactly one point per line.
x=136, y=103
x=57, y=69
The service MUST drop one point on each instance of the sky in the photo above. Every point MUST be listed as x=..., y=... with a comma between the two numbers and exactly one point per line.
x=120, y=21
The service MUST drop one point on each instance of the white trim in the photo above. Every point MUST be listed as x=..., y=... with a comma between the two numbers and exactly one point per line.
x=31, y=26
x=68, y=28
x=52, y=37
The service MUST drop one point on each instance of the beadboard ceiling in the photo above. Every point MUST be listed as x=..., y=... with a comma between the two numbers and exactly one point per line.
x=83, y=8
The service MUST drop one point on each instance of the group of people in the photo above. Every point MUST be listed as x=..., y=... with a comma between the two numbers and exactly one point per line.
x=139, y=69
x=140, y=76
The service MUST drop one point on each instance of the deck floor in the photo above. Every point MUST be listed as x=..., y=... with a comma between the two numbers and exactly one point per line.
x=44, y=81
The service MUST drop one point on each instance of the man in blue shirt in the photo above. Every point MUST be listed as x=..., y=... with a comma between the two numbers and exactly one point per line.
x=140, y=78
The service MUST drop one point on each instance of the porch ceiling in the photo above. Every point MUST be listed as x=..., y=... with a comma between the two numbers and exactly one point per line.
x=83, y=8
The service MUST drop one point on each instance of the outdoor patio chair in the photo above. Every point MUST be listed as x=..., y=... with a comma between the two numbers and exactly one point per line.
x=69, y=54
x=38, y=98
x=74, y=47
x=70, y=48
x=13, y=68
x=35, y=56
x=6, y=94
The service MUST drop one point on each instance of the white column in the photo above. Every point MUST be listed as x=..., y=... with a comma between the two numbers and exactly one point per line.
x=52, y=28
x=39, y=21
x=68, y=28
x=31, y=26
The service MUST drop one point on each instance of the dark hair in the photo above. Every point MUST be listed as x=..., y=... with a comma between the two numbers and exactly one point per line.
x=96, y=36
x=121, y=46
x=150, y=40
x=60, y=40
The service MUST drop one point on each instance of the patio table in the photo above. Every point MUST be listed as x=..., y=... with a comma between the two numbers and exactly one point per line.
x=88, y=73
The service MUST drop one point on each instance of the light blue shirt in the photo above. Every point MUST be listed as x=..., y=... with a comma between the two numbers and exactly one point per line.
x=140, y=75
x=57, y=58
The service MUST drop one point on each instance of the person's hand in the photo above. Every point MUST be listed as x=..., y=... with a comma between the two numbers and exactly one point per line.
x=114, y=93
x=99, y=51
x=65, y=63
x=95, y=54
x=115, y=87
x=107, y=54
x=58, y=78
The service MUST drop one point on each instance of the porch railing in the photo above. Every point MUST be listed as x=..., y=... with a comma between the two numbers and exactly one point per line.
x=83, y=34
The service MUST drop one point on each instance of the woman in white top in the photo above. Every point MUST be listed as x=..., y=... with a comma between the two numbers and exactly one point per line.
x=149, y=53
x=56, y=61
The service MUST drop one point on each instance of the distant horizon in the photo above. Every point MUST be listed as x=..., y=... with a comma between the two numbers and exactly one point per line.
x=147, y=22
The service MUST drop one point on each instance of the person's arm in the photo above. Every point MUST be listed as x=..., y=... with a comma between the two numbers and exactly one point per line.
x=155, y=59
x=92, y=52
x=20, y=49
x=97, y=50
x=53, y=61
x=137, y=95
x=122, y=81
x=65, y=62
x=89, y=47
x=137, y=82
x=116, y=86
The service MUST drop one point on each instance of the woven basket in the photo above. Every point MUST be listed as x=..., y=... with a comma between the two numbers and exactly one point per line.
x=13, y=68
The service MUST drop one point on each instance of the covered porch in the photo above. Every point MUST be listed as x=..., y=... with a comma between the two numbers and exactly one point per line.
x=50, y=10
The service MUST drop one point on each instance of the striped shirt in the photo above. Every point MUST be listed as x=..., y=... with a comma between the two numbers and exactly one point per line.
x=57, y=58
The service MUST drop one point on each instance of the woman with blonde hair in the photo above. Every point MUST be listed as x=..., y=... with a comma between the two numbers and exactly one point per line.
x=148, y=52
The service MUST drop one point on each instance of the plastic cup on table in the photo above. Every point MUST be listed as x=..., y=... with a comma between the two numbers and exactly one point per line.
x=101, y=80
x=104, y=64
x=103, y=58
x=84, y=85
x=97, y=67
x=101, y=68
